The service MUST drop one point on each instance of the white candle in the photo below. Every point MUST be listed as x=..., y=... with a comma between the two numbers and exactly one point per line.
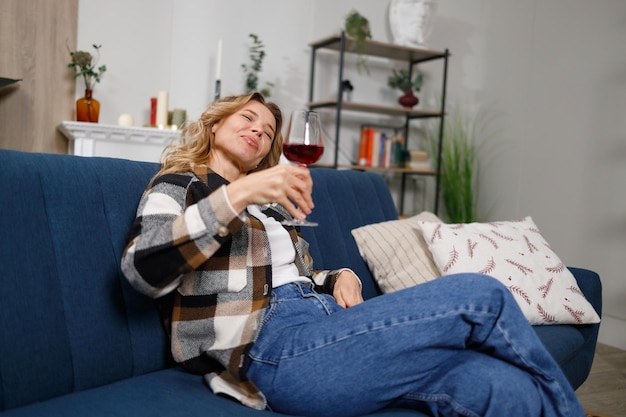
x=161, y=116
x=218, y=68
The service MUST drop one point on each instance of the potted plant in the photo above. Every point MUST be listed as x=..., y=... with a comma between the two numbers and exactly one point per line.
x=257, y=54
x=358, y=27
x=87, y=108
x=401, y=79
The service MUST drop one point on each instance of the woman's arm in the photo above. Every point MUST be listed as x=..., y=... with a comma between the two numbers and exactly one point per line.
x=173, y=234
x=171, y=237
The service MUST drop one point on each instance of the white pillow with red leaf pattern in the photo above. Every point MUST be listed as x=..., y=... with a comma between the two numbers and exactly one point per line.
x=515, y=253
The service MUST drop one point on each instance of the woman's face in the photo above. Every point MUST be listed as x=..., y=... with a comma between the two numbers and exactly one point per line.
x=245, y=137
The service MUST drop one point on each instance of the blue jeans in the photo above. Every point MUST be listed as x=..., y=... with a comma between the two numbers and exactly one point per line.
x=456, y=346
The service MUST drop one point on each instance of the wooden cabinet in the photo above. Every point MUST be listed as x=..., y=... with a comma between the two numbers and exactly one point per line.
x=343, y=44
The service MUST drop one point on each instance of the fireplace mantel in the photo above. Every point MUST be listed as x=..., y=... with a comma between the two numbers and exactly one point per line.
x=97, y=139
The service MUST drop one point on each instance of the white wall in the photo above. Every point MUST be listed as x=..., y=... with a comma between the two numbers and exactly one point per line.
x=553, y=72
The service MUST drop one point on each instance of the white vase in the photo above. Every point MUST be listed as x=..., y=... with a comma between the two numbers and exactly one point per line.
x=410, y=21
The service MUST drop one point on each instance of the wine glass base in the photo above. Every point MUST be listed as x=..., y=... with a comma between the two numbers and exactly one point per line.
x=296, y=222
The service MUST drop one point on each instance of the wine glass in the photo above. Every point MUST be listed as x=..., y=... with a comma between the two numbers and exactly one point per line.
x=303, y=145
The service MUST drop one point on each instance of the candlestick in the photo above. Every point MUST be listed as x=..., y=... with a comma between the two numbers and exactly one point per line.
x=218, y=68
x=218, y=71
x=161, y=118
x=218, y=89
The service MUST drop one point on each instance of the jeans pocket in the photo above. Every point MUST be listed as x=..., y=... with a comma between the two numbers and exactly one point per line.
x=270, y=310
x=324, y=302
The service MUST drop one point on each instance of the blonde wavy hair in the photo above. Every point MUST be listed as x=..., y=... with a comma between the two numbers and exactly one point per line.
x=197, y=138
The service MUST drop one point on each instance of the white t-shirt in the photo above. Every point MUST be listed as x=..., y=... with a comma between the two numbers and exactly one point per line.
x=284, y=269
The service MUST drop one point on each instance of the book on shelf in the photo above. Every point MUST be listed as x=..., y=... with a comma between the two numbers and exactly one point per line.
x=379, y=149
x=418, y=159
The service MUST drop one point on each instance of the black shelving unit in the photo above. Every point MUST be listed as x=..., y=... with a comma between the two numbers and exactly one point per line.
x=342, y=44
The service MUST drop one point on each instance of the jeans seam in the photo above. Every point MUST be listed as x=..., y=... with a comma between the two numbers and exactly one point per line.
x=439, y=398
x=383, y=327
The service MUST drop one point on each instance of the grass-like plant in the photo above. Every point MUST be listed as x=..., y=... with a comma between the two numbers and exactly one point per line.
x=459, y=192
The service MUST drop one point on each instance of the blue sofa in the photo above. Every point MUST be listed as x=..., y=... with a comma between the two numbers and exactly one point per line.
x=77, y=340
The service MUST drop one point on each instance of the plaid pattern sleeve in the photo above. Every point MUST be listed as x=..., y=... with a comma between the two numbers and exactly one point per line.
x=173, y=234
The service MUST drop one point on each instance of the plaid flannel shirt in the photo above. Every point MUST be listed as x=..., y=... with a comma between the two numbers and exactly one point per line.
x=211, y=270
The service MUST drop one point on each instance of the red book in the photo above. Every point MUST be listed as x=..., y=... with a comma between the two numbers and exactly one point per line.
x=370, y=142
x=362, y=157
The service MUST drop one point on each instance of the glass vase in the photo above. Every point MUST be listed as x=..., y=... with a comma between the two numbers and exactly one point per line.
x=87, y=108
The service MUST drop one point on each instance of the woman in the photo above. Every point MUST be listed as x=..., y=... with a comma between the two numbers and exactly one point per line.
x=246, y=310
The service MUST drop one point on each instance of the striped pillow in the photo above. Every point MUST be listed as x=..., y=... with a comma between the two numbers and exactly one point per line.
x=396, y=253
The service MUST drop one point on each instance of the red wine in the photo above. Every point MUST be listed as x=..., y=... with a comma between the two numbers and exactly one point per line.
x=304, y=154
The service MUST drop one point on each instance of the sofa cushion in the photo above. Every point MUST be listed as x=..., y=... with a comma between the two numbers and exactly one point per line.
x=396, y=252
x=515, y=253
x=170, y=392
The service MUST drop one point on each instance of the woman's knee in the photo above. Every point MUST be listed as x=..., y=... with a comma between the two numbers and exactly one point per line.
x=475, y=384
x=516, y=395
x=481, y=285
x=481, y=292
x=494, y=388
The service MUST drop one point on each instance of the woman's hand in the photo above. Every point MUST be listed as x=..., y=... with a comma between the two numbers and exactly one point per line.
x=347, y=290
x=287, y=185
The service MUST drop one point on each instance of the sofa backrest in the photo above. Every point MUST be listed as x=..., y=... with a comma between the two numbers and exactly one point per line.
x=345, y=200
x=68, y=318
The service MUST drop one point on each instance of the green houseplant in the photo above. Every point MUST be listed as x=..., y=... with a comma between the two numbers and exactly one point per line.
x=357, y=26
x=401, y=79
x=459, y=164
x=252, y=70
x=84, y=66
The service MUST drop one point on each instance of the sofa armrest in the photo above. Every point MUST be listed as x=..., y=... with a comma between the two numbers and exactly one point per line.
x=578, y=367
x=590, y=284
